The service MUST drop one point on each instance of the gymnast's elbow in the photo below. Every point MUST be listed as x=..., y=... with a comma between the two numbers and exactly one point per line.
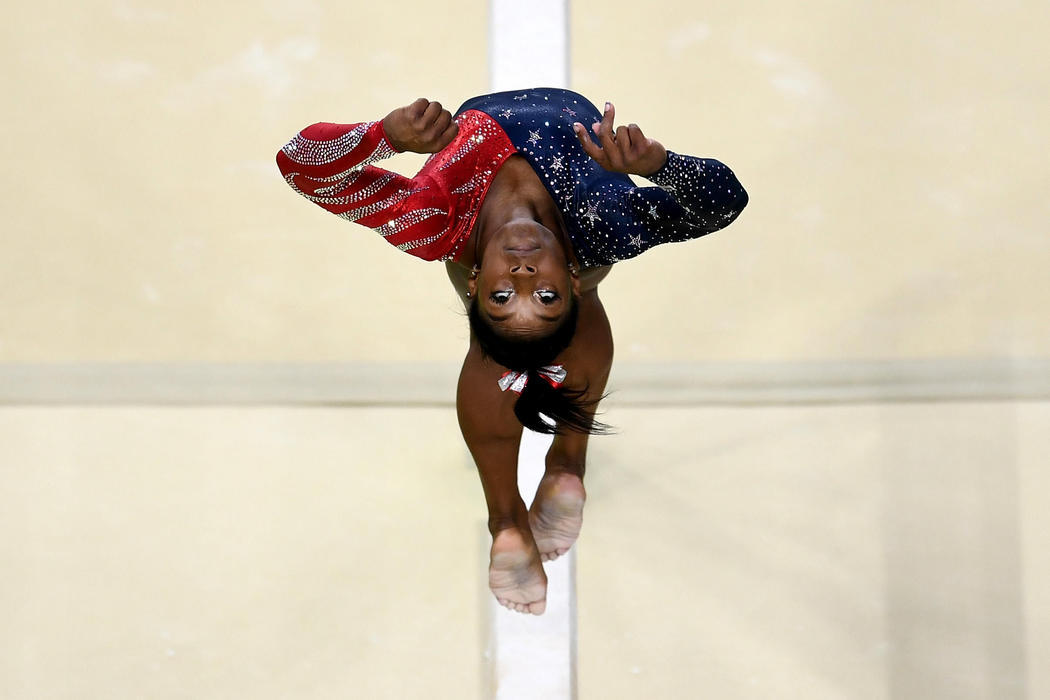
x=290, y=157
x=731, y=206
x=739, y=202
x=284, y=161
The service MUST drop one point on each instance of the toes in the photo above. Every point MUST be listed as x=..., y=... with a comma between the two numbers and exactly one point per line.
x=554, y=554
x=524, y=608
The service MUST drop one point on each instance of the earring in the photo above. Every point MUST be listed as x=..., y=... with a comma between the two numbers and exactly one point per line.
x=468, y=295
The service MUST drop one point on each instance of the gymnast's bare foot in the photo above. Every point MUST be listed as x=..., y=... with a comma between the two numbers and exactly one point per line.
x=556, y=514
x=515, y=573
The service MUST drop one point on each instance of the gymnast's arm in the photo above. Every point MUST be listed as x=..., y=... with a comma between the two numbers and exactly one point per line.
x=701, y=194
x=695, y=195
x=329, y=164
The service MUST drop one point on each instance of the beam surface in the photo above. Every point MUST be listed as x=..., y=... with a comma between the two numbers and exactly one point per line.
x=533, y=657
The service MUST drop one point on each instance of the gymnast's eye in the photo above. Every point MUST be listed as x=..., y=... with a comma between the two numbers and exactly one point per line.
x=500, y=297
x=547, y=296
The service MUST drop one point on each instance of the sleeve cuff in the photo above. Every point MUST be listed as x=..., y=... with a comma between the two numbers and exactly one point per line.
x=382, y=133
x=663, y=176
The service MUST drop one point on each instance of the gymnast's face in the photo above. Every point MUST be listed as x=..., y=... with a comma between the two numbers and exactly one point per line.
x=524, y=286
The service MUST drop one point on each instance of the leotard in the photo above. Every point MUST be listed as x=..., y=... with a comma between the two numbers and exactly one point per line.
x=608, y=217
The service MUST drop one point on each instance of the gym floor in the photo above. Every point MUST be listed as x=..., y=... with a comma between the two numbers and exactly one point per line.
x=897, y=169
x=850, y=551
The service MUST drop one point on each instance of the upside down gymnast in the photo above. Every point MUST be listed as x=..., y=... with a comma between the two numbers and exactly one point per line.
x=529, y=211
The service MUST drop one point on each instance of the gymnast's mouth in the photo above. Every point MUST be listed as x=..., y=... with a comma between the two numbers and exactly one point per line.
x=522, y=249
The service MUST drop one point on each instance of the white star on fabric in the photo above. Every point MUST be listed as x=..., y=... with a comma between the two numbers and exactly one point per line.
x=556, y=163
x=534, y=137
x=568, y=111
x=506, y=114
x=592, y=213
x=728, y=216
x=522, y=97
x=652, y=211
x=636, y=241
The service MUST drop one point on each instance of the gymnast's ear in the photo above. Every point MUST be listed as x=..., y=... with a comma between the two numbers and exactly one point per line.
x=574, y=280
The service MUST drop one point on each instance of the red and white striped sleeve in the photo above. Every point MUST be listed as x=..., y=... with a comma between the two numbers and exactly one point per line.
x=329, y=164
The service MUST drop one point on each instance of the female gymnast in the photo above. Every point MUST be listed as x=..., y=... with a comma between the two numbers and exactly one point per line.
x=529, y=213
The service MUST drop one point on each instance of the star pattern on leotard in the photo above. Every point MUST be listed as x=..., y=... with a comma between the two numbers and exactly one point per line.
x=591, y=212
x=609, y=217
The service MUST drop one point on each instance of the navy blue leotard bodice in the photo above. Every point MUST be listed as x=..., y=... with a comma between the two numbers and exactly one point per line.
x=607, y=216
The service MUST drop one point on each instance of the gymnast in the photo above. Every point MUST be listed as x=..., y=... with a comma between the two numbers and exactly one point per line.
x=529, y=212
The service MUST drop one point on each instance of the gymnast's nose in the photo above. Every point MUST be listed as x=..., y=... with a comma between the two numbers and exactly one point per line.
x=523, y=270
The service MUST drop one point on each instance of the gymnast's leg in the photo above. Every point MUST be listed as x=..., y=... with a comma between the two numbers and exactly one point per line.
x=556, y=515
x=493, y=435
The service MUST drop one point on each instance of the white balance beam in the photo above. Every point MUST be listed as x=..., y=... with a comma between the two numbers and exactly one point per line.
x=528, y=44
x=533, y=656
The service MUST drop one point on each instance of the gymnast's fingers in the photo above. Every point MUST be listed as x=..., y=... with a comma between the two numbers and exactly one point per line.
x=416, y=109
x=440, y=123
x=608, y=138
x=599, y=126
x=430, y=114
x=603, y=129
x=623, y=139
x=608, y=119
x=447, y=136
x=589, y=146
x=638, y=140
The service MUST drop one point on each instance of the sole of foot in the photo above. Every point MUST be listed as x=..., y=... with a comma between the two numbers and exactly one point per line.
x=556, y=515
x=516, y=575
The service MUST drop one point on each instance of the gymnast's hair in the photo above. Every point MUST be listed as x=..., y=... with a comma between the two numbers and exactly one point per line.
x=567, y=408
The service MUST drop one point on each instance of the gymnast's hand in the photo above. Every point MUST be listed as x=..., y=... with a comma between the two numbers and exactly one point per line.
x=623, y=150
x=421, y=127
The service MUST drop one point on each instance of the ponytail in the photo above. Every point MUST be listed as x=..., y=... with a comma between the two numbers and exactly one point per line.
x=539, y=398
x=567, y=408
